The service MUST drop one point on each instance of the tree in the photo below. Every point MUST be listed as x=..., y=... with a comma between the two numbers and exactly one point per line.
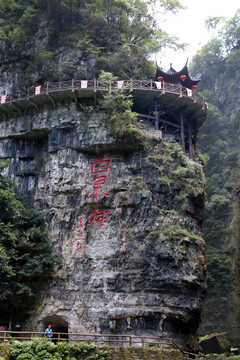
x=217, y=63
x=109, y=29
x=25, y=253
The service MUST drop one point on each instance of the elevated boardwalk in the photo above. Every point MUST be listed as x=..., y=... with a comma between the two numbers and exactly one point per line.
x=169, y=107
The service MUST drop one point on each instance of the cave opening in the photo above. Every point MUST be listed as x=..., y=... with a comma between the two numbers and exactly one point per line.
x=59, y=326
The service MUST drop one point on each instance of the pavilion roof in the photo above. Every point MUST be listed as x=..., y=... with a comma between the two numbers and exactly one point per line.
x=173, y=77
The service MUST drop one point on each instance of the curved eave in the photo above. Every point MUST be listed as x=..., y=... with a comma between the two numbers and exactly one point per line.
x=175, y=78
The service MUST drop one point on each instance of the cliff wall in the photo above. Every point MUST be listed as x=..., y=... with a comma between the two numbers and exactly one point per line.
x=123, y=215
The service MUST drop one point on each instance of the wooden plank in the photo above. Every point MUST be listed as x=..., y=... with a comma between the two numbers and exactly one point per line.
x=160, y=120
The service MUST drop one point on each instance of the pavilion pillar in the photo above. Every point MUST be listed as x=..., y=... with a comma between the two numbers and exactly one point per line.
x=156, y=114
x=195, y=140
x=190, y=140
x=182, y=132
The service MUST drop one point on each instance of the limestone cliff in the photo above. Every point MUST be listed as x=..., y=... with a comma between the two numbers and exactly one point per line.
x=124, y=220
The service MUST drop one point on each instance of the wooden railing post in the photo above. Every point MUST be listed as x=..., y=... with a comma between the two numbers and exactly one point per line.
x=163, y=87
x=72, y=85
x=142, y=341
x=4, y=337
x=94, y=85
x=130, y=340
x=47, y=88
x=131, y=85
x=58, y=337
x=195, y=96
x=180, y=89
x=151, y=85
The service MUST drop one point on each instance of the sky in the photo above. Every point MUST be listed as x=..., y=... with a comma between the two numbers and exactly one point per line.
x=189, y=26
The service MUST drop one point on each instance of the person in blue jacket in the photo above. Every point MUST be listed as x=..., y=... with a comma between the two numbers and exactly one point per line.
x=48, y=332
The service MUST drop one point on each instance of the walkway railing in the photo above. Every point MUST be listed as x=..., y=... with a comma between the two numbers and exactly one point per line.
x=96, y=85
x=102, y=339
x=99, y=340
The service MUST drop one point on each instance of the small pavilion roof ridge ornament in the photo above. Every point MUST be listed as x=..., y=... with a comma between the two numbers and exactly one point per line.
x=171, y=70
x=175, y=77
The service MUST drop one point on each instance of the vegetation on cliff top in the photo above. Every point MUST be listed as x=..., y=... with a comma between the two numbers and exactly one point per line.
x=117, y=35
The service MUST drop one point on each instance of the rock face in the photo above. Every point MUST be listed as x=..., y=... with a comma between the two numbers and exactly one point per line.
x=130, y=258
x=217, y=343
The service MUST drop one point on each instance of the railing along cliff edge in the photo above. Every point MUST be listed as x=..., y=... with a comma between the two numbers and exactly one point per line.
x=96, y=85
x=99, y=339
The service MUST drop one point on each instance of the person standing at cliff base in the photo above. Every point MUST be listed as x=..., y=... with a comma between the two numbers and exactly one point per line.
x=48, y=332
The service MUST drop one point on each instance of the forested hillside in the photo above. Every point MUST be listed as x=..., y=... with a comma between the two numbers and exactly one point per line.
x=24, y=252
x=217, y=63
x=59, y=39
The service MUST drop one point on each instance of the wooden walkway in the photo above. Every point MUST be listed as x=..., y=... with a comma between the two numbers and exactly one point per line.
x=185, y=111
x=35, y=96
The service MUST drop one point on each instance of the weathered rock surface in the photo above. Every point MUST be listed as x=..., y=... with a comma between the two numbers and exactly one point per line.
x=217, y=343
x=139, y=268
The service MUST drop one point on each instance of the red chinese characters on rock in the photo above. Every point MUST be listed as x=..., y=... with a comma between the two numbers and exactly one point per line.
x=100, y=217
x=98, y=167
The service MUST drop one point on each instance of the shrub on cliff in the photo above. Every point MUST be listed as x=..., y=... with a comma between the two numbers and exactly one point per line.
x=44, y=349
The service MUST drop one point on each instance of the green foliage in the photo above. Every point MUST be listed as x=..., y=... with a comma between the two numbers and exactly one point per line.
x=154, y=235
x=217, y=62
x=121, y=34
x=186, y=174
x=25, y=251
x=88, y=351
x=4, y=351
x=83, y=348
x=178, y=232
x=138, y=185
x=39, y=349
x=116, y=104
